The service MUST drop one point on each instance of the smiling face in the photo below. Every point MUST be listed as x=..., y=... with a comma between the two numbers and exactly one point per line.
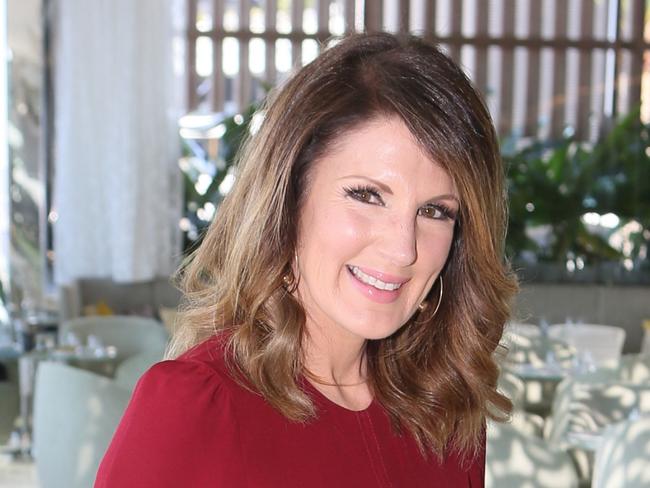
x=376, y=227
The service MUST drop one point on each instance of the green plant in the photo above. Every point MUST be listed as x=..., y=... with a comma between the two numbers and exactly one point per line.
x=197, y=199
x=553, y=185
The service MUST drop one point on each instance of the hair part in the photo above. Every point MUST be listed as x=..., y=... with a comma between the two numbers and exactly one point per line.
x=436, y=376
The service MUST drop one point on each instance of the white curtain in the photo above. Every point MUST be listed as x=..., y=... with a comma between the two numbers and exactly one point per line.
x=117, y=187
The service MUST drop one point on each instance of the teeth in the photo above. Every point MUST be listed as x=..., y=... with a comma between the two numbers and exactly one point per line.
x=372, y=281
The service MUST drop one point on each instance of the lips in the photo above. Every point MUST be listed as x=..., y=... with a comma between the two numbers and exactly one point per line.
x=378, y=275
x=372, y=281
x=375, y=289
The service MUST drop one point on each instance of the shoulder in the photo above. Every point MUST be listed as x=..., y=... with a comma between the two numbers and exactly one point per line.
x=180, y=418
x=192, y=384
x=201, y=368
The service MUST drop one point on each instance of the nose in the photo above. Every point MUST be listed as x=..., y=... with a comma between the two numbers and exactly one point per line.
x=399, y=241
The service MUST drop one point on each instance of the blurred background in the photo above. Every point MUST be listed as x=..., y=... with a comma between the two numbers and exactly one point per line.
x=119, y=124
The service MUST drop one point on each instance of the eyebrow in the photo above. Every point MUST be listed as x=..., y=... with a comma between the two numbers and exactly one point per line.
x=384, y=187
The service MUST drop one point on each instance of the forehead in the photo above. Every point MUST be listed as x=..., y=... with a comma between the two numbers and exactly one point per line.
x=383, y=148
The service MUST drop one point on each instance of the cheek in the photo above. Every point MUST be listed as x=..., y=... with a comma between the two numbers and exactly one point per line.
x=341, y=231
x=433, y=249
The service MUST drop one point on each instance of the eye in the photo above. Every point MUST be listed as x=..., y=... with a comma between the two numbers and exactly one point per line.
x=437, y=212
x=365, y=194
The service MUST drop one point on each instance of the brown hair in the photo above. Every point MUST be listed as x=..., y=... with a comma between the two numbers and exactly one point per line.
x=436, y=376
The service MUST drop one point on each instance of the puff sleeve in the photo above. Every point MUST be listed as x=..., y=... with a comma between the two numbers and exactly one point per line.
x=178, y=430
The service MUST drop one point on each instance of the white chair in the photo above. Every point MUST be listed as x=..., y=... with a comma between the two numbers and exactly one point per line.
x=512, y=387
x=634, y=368
x=130, y=370
x=581, y=411
x=517, y=460
x=602, y=343
x=529, y=424
x=523, y=329
x=535, y=350
x=75, y=415
x=527, y=345
x=622, y=458
x=515, y=389
x=587, y=408
x=567, y=390
x=169, y=318
x=129, y=334
x=528, y=354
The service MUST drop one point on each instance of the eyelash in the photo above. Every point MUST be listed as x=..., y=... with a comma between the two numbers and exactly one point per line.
x=356, y=192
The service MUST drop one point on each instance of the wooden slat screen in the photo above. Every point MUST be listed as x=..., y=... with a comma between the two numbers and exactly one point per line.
x=545, y=66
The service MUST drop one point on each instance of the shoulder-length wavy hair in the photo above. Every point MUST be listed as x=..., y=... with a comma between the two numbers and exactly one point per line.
x=436, y=376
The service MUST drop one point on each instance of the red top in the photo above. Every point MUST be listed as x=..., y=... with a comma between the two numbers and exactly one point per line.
x=190, y=425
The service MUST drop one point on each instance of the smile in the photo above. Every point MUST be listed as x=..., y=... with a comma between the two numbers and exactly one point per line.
x=372, y=281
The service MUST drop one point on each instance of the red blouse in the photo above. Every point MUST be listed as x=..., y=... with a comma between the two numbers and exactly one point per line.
x=190, y=425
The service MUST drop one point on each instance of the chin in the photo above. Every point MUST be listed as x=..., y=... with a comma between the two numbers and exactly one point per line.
x=373, y=333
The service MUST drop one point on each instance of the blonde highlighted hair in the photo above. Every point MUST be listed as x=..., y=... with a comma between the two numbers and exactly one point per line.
x=436, y=376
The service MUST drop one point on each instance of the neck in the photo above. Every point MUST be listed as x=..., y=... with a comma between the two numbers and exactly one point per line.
x=335, y=361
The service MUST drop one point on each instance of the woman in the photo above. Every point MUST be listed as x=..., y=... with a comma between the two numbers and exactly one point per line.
x=343, y=309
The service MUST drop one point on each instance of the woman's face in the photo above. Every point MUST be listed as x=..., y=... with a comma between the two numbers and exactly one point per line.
x=376, y=227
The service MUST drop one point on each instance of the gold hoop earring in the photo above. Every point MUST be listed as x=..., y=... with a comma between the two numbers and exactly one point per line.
x=439, y=298
x=289, y=279
x=425, y=304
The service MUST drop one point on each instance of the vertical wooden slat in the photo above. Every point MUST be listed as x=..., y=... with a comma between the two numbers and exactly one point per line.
x=403, y=16
x=430, y=19
x=373, y=16
x=270, y=16
x=192, y=33
x=480, y=70
x=607, y=124
x=532, y=92
x=507, y=69
x=623, y=80
x=297, y=7
x=350, y=15
x=244, y=91
x=584, y=73
x=218, y=79
x=559, y=71
x=323, y=16
x=636, y=69
x=638, y=20
x=456, y=28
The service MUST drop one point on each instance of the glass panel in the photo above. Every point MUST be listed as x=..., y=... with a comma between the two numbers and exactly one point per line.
x=283, y=17
x=257, y=56
x=645, y=88
x=231, y=15
x=230, y=56
x=310, y=17
x=257, y=19
x=204, y=21
x=283, y=55
x=204, y=66
x=337, y=18
x=309, y=50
